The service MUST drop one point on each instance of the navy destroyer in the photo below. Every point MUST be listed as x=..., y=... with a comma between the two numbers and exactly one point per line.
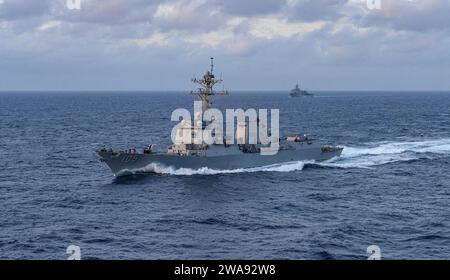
x=226, y=156
x=297, y=92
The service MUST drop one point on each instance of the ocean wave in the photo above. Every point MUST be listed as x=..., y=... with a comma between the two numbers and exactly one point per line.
x=380, y=153
x=365, y=156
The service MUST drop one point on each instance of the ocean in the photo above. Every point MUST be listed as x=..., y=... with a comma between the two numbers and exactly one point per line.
x=390, y=187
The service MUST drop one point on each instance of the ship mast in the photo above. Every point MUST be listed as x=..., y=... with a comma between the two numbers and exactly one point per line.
x=206, y=87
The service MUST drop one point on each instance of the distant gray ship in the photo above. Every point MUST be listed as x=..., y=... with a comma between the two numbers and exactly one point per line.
x=297, y=92
x=216, y=157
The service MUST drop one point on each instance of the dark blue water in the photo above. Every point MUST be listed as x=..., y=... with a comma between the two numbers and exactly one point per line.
x=391, y=187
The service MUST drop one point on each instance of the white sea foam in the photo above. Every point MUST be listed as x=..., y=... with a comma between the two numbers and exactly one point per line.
x=366, y=156
x=283, y=167
x=374, y=154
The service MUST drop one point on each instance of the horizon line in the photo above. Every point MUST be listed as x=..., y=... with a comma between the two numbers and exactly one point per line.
x=239, y=91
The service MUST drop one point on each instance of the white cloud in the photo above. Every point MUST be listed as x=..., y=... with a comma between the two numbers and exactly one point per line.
x=156, y=39
x=50, y=24
x=414, y=15
x=211, y=39
x=187, y=15
x=240, y=46
x=270, y=28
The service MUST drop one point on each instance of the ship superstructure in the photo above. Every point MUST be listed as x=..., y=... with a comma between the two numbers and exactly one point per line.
x=297, y=92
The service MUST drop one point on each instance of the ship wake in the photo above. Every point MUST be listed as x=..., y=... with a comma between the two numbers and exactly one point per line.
x=380, y=153
x=368, y=155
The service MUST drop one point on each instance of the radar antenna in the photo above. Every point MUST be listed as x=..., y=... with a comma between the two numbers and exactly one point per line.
x=207, y=84
x=212, y=65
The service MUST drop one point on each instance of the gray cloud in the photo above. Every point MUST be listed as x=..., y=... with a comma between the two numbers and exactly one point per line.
x=138, y=44
x=19, y=9
x=111, y=12
x=415, y=15
x=313, y=10
x=188, y=15
x=250, y=7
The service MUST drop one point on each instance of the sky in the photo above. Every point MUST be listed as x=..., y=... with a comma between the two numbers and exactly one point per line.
x=257, y=44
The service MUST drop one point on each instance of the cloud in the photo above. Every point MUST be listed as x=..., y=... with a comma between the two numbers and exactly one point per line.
x=314, y=39
x=110, y=12
x=412, y=15
x=19, y=9
x=240, y=47
x=181, y=15
x=271, y=28
x=315, y=10
x=156, y=39
x=250, y=7
x=50, y=24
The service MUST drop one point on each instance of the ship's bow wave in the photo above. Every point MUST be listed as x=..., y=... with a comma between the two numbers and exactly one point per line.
x=169, y=170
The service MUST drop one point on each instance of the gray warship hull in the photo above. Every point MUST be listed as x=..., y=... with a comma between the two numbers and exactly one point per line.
x=218, y=158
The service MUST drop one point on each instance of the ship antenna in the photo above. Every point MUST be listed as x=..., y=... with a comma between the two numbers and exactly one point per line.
x=212, y=64
x=206, y=87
